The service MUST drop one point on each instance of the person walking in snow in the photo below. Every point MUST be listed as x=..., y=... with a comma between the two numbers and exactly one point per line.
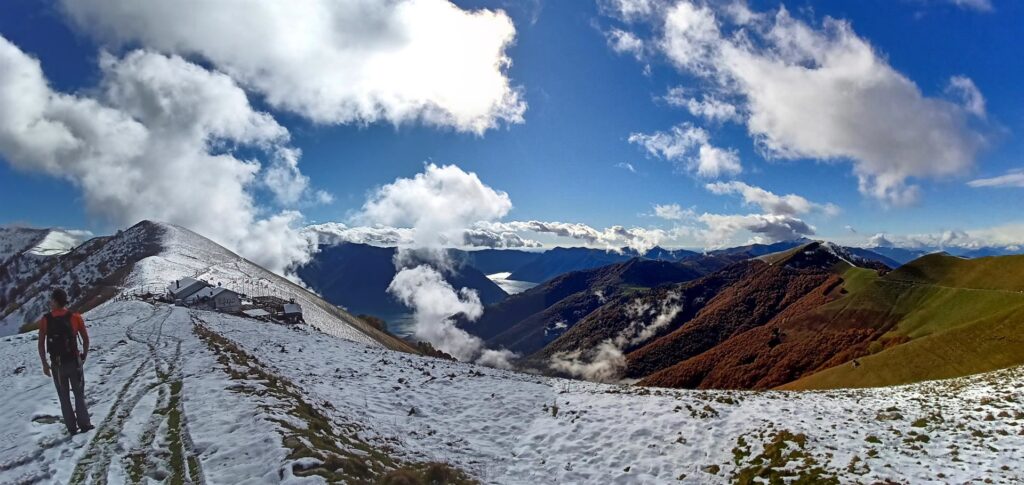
x=59, y=331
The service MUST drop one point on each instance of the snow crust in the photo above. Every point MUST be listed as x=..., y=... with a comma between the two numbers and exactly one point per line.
x=500, y=426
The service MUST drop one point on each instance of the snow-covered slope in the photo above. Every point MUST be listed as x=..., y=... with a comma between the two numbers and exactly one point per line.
x=185, y=253
x=218, y=399
x=90, y=272
x=147, y=257
x=16, y=240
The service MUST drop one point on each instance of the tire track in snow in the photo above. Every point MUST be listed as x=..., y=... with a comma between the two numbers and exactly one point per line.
x=95, y=463
x=94, y=466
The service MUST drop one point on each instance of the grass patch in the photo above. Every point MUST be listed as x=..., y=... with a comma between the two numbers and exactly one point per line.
x=783, y=459
x=937, y=318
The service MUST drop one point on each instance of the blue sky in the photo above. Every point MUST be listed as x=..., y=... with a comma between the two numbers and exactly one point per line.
x=564, y=161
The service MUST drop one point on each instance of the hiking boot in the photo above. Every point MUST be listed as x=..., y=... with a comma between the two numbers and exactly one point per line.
x=86, y=429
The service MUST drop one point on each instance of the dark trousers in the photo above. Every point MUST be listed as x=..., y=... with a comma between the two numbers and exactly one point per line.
x=69, y=378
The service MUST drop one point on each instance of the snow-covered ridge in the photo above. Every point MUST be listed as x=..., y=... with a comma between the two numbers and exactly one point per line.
x=57, y=242
x=40, y=242
x=17, y=240
x=186, y=254
x=147, y=257
x=90, y=273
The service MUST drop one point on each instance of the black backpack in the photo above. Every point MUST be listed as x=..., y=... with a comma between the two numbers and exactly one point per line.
x=60, y=338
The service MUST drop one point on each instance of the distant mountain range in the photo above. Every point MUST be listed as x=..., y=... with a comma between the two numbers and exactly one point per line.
x=356, y=276
x=814, y=316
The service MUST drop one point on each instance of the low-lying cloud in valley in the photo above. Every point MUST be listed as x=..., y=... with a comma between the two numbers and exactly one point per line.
x=435, y=208
x=607, y=361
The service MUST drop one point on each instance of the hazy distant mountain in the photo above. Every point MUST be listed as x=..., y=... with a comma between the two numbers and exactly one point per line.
x=900, y=255
x=871, y=254
x=559, y=261
x=740, y=253
x=490, y=261
x=356, y=277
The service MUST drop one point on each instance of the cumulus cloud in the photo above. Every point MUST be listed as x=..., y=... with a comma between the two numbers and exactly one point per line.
x=437, y=207
x=790, y=204
x=289, y=186
x=630, y=10
x=822, y=92
x=709, y=106
x=672, y=212
x=358, y=61
x=691, y=147
x=439, y=203
x=721, y=228
x=971, y=98
x=497, y=240
x=612, y=238
x=624, y=42
x=1012, y=178
x=332, y=233
x=1010, y=236
x=880, y=240
x=156, y=140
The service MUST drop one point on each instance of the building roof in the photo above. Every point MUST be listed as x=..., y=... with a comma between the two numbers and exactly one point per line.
x=257, y=312
x=292, y=308
x=211, y=292
x=186, y=287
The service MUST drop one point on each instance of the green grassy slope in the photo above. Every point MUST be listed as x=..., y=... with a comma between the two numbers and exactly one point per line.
x=953, y=317
x=992, y=273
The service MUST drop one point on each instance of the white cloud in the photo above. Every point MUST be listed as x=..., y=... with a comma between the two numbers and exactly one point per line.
x=630, y=10
x=773, y=227
x=822, y=93
x=332, y=233
x=1009, y=235
x=437, y=208
x=435, y=302
x=880, y=240
x=672, y=212
x=358, y=61
x=155, y=142
x=440, y=204
x=613, y=238
x=284, y=179
x=690, y=147
x=626, y=166
x=624, y=42
x=499, y=240
x=1012, y=178
x=979, y=5
x=606, y=362
x=790, y=204
x=969, y=94
x=708, y=107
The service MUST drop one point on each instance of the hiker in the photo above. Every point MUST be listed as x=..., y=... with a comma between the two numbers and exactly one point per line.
x=59, y=331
